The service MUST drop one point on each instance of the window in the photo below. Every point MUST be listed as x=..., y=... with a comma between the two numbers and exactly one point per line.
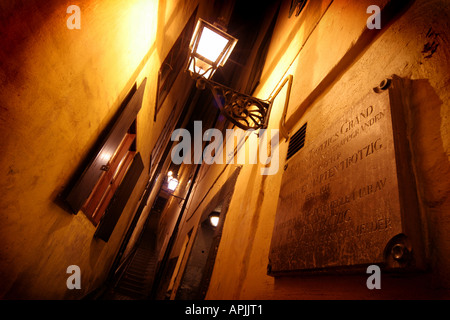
x=102, y=186
x=258, y=65
x=174, y=62
x=297, y=6
x=113, y=174
x=162, y=141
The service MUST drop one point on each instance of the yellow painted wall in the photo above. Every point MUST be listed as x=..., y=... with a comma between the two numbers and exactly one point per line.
x=58, y=90
x=311, y=47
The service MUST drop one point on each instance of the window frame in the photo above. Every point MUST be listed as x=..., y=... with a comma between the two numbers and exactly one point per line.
x=79, y=190
x=174, y=63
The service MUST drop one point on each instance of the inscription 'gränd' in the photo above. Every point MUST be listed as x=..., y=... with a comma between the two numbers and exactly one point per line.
x=339, y=202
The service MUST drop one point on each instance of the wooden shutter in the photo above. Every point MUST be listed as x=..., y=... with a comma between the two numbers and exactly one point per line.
x=120, y=199
x=83, y=187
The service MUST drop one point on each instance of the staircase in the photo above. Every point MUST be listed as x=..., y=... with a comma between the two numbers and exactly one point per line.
x=136, y=281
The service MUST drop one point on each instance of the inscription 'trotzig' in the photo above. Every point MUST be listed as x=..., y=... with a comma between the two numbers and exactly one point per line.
x=347, y=162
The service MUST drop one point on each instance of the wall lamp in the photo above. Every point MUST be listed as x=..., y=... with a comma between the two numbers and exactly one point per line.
x=214, y=218
x=172, y=182
x=209, y=49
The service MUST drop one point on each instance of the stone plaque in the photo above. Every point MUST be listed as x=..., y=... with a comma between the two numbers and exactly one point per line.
x=340, y=203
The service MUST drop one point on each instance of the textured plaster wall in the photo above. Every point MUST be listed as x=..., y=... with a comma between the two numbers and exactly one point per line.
x=58, y=90
x=309, y=52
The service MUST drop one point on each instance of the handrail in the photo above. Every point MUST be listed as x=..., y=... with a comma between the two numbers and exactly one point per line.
x=122, y=267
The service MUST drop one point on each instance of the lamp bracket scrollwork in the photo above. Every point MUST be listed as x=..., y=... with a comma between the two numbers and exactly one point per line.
x=246, y=112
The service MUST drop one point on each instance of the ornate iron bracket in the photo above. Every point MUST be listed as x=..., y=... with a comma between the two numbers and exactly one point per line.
x=246, y=112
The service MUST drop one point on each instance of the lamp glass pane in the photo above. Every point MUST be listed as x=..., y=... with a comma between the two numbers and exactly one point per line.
x=201, y=68
x=229, y=50
x=211, y=44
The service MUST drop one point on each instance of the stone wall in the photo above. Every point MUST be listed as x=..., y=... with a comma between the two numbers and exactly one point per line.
x=59, y=88
x=335, y=60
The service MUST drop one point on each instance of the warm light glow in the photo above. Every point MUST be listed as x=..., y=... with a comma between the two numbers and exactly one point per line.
x=211, y=44
x=106, y=155
x=172, y=185
x=201, y=68
x=169, y=174
x=210, y=48
x=139, y=16
x=214, y=220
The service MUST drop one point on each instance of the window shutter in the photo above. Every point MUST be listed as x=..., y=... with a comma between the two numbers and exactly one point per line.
x=120, y=199
x=83, y=187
